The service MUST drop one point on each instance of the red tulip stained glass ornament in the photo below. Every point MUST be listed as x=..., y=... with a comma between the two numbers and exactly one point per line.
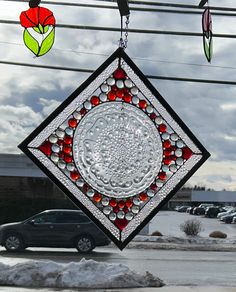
x=39, y=24
x=118, y=157
x=207, y=34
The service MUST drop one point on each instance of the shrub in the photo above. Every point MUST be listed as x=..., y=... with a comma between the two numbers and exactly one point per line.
x=218, y=234
x=156, y=233
x=191, y=227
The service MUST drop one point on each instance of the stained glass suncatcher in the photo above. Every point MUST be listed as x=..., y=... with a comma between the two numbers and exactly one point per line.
x=116, y=148
x=207, y=34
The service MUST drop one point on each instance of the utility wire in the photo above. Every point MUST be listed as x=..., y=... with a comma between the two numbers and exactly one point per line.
x=91, y=71
x=148, y=3
x=130, y=30
x=135, y=58
x=72, y=4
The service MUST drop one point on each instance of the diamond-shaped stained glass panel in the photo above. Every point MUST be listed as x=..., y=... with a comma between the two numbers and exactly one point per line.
x=116, y=148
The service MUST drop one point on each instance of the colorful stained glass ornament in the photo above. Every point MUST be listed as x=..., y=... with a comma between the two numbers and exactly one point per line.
x=39, y=24
x=207, y=34
x=114, y=161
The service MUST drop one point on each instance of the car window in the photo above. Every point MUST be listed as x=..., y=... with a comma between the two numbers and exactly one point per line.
x=71, y=218
x=45, y=218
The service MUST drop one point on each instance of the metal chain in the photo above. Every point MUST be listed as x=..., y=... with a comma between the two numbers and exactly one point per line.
x=124, y=41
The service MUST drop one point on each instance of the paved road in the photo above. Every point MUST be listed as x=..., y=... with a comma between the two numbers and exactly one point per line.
x=174, y=267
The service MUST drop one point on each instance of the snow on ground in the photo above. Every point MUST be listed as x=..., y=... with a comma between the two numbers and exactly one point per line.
x=168, y=223
x=184, y=240
x=85, y=274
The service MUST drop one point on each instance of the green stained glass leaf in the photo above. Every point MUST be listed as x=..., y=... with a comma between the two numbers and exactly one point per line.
x=30, y=42
x=46, y=28
x=40, y=28
x=47, y=43
x=36, y=29
x=208, y=48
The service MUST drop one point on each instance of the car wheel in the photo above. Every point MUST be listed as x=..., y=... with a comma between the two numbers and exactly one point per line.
x=84, y=244
x=13, y=242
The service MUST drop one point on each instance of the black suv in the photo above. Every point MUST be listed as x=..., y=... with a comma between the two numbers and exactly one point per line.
x=53, y=228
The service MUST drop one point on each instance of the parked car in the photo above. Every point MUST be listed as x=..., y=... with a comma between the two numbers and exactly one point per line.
x=53, y=228
x=234, y=220
x=212, y=212
x=204, y=205
x=190, y=210
x=182, y=209
x=199, y=211
x=229, y=211
x=228, y=218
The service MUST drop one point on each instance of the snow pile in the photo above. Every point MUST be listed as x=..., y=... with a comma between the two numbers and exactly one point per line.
x=84, y=274
x=183, y=240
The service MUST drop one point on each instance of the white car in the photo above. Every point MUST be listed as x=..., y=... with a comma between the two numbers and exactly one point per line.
x=228, y=212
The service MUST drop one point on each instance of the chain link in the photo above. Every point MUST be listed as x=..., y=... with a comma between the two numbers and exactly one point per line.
x=124, y=41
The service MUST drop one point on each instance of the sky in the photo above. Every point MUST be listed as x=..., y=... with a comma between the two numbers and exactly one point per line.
x=29, y=95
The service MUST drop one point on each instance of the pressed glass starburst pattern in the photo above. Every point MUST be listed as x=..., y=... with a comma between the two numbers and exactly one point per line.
x=116, y=148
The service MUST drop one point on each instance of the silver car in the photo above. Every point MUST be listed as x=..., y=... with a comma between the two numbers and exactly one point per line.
x=228, y=212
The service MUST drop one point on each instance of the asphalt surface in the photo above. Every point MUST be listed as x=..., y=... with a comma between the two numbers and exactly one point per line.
x=182, y=268
x=163, y=289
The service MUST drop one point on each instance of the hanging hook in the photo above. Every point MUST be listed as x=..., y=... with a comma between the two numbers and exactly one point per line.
x=124, y=11
x=34, y=3
x=123, y=7
x=202, y=3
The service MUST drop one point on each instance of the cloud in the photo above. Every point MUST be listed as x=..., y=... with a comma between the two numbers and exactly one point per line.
x=228, y=106
x=16, y=122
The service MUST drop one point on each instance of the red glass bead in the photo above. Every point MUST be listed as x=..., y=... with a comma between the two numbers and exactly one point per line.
x=97, y=197
x=173, y=157
x=153, y=116
x=68, y=158
x=116, y=209
x=129, y=203
x=113, y=202
x=66, y=149
x=167, y=152
x=62, y=155
x=114, y=88
x=143, y=197
x=46, y=148
x=72, y=123
x=127, y=97
x=126, y=90
x=162, y=175
x=153, y=187
x=120, y=93
x=74, y=175
x=186, y=153
x=119, y=74
x=60, y=142
x=67, y=140
x=85, y=188
x=111, y=95
x=121, y=223
x=167, y=160
x=162, y=128
x=167, y=143
x=126, y=209
x=83, y=111
x=121, y=204
x=142, y=104
x=95, y=100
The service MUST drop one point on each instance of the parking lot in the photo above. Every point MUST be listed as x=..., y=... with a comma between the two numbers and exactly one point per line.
x=168, y=223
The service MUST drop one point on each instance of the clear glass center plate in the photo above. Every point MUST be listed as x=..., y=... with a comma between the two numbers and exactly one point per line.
x=117, y=149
